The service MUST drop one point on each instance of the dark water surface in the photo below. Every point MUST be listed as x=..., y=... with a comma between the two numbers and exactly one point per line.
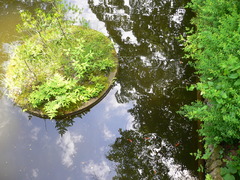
x=133, y=133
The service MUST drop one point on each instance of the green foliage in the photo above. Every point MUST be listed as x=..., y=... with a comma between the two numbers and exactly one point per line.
x=57, y=93
x=208, y=177
x=227, y=173
x=198, y=154
x=215, y=50
x=41, y=19
x=59, y=66
x=232, y=169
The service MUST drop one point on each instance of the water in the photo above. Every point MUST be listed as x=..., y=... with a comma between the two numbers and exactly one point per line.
x=134, y=132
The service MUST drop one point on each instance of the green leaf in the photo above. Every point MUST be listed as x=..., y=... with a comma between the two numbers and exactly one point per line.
x=234, y=68
x=191, y=88
x=233, y=76
x=228, y=177
x=224, y=171
x=237, y=83
x=232, y=170
x=210, y=83
x=224, y=95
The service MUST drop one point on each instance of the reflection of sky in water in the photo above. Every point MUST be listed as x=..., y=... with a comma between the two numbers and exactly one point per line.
x=178, y=16
x=68, y=145
x=96, y=170
x=39, y=151
x=89, y=16
x=33, y=149
x=128, y=37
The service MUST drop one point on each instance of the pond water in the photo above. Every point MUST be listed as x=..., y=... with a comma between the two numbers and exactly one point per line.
x=134, y=132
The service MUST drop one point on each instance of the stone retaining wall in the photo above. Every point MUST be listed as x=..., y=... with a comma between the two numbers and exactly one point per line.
x=214, y=163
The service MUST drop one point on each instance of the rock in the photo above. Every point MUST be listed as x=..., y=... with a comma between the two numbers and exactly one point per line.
x=215, y=165
x=215, y=154
x=216, y=174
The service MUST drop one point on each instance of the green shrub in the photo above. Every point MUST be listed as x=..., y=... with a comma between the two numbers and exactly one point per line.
x=215, y=50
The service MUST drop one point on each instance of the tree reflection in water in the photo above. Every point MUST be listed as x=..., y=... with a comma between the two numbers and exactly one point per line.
x=145, y=157
x=153, y=75
x=62, y=124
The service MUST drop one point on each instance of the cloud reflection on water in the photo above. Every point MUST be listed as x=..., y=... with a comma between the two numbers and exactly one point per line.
x=34, y=133
x=113, y=109
x=108, y=135
x=94, y=23
x=98, y=171
x=35, y=173
x=67, y=144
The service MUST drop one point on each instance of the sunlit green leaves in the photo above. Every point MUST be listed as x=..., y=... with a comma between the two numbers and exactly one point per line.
x=59, y=66
x=58, y=92
x=215, y=50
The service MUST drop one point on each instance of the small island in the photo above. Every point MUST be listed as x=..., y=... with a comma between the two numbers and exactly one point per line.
x=60, y=67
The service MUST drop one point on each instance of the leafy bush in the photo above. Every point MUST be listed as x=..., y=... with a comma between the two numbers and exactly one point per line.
x=59, y=66
x=215, y=50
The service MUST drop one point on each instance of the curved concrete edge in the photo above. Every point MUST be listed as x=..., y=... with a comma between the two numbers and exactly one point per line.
x=87, y=105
